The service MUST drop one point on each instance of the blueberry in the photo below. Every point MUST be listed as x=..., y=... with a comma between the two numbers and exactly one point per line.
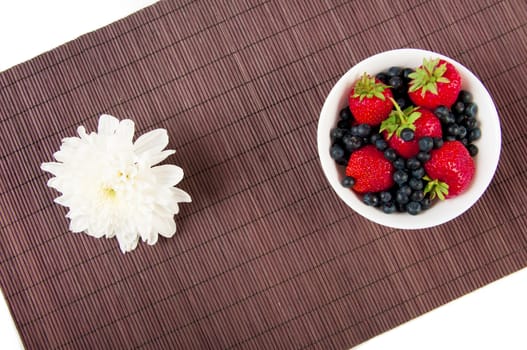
x=413, y=163
x=402, y=198
x=390, y=154
x=462, y=132
x=450, y=138
x=402, y=102
x=458, y=108
x=337, y=133
x=389, y=207
x=426, y=144
x=452, y=129
x=405, y=189
x=426, y=203
x=355, y=130
x=417, y=196
x=416, y=184
x=471, y=123
x=464, y=141
x=343, y=160
x=352, y=142
x=423, y=157
x=374, y=137
x=438, y=142
x=471, y=109
x=345, y=114
x=363, y=130
x=441, y=112
x=347, y=181
x=371, y=199
x=381, y=145
x=336, y=152
x=474, y=134
x=399, y=163
x=400, y=177
x=407, y=134
x=472, y=150
x=345, y=140
x=418, y=173
x=343, y=124
x=401, y=207
x=383, y=77
x=385, y=196
x=464, y=96
x=397, y=84
x=413, y=208
x=451, y=118
x=405, y=74
x=461, y=119
x=394, y=71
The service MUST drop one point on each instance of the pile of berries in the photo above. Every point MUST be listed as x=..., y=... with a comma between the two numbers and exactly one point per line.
x=407, y=136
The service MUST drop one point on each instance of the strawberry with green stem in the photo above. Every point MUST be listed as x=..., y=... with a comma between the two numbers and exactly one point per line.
x=449, y=171
x=420, y=120
x=435, y=83
x=369, y=100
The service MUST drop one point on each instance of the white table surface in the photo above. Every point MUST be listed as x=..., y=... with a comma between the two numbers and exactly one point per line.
x=493, y=317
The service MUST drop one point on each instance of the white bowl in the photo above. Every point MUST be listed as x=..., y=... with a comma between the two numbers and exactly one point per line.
x=442, y=211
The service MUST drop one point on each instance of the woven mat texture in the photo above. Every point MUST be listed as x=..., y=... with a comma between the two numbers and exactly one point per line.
x=266, y=256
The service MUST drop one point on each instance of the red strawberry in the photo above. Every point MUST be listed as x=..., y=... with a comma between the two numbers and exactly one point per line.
x=420, y=120
x=369, y=100
x=449, y=170
x=371, y=171
x=435, y=83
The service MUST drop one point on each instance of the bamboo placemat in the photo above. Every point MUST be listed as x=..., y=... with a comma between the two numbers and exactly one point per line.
x=266, y=256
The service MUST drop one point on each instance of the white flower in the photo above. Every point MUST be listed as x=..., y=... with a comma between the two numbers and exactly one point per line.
x=111, y=186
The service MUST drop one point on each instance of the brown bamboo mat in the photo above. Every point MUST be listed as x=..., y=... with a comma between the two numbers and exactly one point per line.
x=266, y=256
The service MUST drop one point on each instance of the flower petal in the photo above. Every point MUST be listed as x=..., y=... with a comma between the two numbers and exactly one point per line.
x=55, y=182
x=168, y=174
x=62, y=200
x=70, y=142
x=150, y=237
x=162, y=209
x=175, y=208
x=125, y=130
x=52, y=167
x=165, y=226
x=91, y=232
x=155, y=140
x=152, y=158
x=78, y=224
x=127, y=242
x=107, y=124
x=81, y=130
x=181, y=195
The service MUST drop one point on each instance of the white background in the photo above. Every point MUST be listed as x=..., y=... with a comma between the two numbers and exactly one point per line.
x=494, y=317
x=30, y=27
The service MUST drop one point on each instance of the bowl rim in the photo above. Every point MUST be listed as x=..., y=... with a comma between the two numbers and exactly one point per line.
x=453, y=207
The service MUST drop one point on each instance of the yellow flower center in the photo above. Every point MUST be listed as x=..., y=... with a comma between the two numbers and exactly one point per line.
x=109, y=193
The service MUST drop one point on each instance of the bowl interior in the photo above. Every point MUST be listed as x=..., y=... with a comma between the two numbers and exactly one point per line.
x=442, y=211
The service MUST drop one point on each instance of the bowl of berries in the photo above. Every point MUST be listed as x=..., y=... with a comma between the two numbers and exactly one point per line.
x=409, y=138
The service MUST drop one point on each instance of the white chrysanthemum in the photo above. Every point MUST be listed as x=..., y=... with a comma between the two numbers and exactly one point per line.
x=111, y=186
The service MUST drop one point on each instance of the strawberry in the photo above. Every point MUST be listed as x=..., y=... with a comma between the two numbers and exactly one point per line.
x=371, y=171
x=449, y=170
x=420, y=120
x=435, y=83
x=369, y=100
